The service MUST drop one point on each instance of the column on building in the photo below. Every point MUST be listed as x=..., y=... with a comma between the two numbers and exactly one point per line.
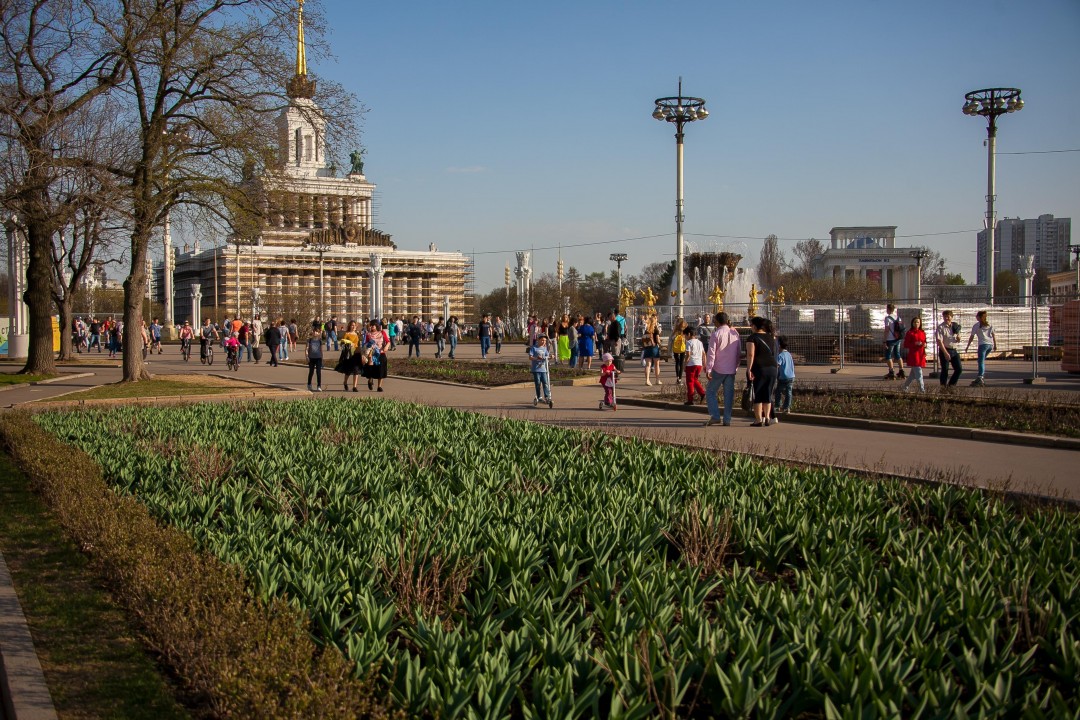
x=376, y=276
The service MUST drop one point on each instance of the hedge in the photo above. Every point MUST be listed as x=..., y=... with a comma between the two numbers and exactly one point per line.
x=239, y=655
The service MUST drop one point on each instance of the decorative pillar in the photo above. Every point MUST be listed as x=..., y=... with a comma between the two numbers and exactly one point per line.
x=18, y=339
x=524, y=274
x=376, y=273
x=196, y=305
x=1027, y=276
x=168, y=330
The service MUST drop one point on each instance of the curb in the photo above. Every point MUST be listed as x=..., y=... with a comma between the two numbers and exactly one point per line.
x=22, y=682
x=1000, y=437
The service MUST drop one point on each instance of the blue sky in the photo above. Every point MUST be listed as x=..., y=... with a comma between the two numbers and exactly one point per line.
x=496, y=126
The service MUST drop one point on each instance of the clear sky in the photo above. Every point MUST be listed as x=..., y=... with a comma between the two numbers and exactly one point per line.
x=499, y=125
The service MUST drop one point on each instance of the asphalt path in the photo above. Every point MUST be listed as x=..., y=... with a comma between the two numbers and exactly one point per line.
x=1041, y=471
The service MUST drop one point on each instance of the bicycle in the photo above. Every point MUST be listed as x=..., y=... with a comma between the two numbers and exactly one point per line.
x=207, y=355
x=232, y=360
x=185, y=349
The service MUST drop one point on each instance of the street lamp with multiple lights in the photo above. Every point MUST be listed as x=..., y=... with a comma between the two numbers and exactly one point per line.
x=618, y=259
x=679, y=110
x=990, y=103
x=919, y=254
x=321, y=248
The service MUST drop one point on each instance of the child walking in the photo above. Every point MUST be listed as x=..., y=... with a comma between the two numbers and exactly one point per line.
x=539, y=356
x=608, y=377
x=785, y=379
x=695, y=358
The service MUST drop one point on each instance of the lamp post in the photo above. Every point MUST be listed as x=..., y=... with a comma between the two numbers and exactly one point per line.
x=679, y=110
x=618, y=259
x=919, y=254
x=506, y=278
x=990, y=103
x=1075, y=250
x=322, y=248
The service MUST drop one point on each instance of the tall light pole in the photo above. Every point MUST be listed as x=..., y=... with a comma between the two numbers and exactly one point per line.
x=679, y=110
x=506, y=278
x=1075, y=250
x=919, y=254
x=990, y=103
x=322, y=248
x=618, y=259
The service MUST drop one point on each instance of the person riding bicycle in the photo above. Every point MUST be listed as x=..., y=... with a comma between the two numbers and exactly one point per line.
x=186, y=336
x=207, y=333
x=232, y=348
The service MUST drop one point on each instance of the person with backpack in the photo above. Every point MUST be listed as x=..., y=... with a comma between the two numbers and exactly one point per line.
x=313, y=351
x=894, y=335
x=947, y=338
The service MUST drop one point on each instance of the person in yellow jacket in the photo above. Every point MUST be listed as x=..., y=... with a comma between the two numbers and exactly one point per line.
x=677, y=345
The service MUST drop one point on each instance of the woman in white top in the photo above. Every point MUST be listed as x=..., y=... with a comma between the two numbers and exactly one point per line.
x=987, y=342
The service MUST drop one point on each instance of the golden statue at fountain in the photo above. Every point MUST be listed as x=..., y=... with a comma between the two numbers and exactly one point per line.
x=649, y=297
x=716, y=297
x=754, y=295
x=626, y=299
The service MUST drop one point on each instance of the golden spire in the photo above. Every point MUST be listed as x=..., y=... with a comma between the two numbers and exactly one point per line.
x=300, y=86
x=301, y=55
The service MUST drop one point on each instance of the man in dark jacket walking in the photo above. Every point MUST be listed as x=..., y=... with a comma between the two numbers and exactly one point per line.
x=273, y=340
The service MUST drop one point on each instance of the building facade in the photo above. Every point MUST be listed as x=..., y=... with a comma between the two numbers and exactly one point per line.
x=317, y=254
x=1046, y=238
x=869, y=253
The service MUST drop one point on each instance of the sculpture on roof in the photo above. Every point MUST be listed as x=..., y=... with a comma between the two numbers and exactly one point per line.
x=357, y=160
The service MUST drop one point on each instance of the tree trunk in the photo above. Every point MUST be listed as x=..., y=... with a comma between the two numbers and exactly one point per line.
x=134, y=292
x=64, y=309
x=39, y=300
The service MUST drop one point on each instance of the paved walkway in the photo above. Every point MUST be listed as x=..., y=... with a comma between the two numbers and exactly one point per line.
x=1026, y=469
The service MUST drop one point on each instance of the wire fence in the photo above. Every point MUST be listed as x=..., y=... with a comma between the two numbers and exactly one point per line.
x=841, y=333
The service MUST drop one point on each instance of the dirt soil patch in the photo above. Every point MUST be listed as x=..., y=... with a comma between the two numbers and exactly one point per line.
x=1041, y=414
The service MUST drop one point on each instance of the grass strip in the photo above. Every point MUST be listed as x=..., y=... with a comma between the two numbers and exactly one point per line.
x=16, y=379
x=93, y=663
x=239, y=656
x=155, y=387
x=486, y=373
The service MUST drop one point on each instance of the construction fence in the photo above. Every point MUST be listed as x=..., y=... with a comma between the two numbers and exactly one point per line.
x=840, y=333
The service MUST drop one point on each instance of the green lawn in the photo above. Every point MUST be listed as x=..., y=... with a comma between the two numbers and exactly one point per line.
x=15, y=379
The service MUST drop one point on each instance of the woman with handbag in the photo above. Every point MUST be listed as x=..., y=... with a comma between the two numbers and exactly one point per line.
x=352, y=357
x=650, y=349
x=761, y=369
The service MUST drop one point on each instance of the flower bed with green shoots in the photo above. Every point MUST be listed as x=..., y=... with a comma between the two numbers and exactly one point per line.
x=496, y=568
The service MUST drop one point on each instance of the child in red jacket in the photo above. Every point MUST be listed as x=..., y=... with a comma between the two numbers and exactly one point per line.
x=608, y=377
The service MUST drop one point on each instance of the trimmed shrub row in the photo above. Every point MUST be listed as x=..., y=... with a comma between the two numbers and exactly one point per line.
x=241, y=656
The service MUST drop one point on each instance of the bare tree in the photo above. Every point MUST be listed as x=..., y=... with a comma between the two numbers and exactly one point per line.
x=205, y=82
x=771, y=263
x=94, y=199
x=933, y=268
x=805, y=251
x=54, y=64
